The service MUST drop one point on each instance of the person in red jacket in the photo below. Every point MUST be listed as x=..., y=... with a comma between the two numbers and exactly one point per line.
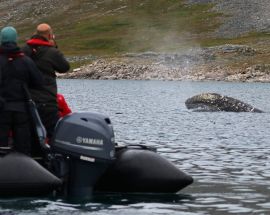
x=63, y=108
x=42, y=48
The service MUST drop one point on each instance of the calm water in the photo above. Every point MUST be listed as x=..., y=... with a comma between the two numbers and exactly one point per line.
x=226, y=153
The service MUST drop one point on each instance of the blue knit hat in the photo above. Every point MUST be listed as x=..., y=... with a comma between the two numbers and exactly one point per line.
x=8, y=34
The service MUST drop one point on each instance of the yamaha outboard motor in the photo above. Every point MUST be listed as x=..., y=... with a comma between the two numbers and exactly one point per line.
x=85, y=141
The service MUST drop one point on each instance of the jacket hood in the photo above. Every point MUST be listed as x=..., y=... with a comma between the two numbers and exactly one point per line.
x=11, y=50
x=39, y=41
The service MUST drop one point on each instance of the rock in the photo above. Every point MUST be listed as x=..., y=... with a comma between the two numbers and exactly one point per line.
x=110, y=69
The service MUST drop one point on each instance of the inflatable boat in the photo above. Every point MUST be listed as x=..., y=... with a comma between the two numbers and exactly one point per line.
x=83, y=158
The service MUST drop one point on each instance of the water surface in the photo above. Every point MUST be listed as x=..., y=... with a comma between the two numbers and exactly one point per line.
x=226, y=153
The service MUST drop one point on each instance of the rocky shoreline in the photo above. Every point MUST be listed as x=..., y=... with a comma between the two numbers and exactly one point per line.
x=213, y=63
x=115, y=70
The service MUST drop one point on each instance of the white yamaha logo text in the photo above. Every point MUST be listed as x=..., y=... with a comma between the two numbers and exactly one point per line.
x=85, y=140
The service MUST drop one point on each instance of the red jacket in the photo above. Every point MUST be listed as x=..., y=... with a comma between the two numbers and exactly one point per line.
x=63, y=108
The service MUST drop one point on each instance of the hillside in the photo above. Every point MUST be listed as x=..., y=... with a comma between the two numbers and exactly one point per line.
x=167, y=39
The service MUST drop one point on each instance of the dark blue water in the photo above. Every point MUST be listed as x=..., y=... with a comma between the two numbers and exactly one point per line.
x=228, y=154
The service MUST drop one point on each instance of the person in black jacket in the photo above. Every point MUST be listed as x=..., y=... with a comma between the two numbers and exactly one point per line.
x=17, y=71
x=49, y=60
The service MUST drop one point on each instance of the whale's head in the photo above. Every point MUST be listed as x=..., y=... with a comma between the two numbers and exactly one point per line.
x=204, y=102
x=217, y=102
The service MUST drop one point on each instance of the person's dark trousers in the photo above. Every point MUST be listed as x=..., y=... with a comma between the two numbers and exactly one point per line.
x=49, y=117
x=19, y=124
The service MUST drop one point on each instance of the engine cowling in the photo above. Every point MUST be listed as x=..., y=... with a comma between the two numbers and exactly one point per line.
x=87, y=136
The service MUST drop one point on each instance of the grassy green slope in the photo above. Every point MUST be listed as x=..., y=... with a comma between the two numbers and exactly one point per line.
x=113, y=27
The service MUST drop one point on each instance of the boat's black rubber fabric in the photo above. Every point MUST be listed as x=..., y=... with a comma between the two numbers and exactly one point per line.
x=23, y=176
x=142, y=170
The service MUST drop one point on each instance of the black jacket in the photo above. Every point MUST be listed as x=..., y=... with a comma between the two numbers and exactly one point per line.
x=48, y=60
x=16, y=70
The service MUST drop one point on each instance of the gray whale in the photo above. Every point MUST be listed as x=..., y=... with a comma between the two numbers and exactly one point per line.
x=217, y=102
